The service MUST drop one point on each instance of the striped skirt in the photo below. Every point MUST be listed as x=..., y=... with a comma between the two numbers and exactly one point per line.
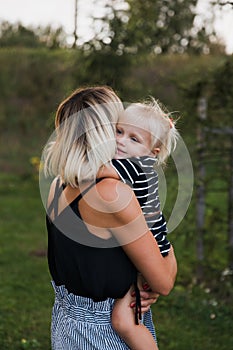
x=79, y=323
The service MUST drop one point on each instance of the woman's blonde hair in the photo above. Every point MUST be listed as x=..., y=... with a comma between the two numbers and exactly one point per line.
x=84, y=135
x=159, y=123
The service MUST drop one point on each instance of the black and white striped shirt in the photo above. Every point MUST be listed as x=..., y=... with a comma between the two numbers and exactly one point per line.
x=139, y=173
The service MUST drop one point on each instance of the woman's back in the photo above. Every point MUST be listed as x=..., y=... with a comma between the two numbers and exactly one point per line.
x=86, y=264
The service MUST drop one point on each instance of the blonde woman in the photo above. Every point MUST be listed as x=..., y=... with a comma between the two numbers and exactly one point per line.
x=98, y=238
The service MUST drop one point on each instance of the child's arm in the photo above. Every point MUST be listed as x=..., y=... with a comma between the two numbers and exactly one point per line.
x=137, y=337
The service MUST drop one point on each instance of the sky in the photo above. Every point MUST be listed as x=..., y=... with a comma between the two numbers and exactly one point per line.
x=61, y=13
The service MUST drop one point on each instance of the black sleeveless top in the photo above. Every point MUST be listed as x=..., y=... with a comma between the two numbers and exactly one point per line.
x=85, y=264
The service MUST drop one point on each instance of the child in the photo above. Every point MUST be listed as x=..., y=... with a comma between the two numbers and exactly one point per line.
x=145, y=136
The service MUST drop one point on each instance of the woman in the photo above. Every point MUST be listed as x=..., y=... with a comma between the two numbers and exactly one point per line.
x=97, y=235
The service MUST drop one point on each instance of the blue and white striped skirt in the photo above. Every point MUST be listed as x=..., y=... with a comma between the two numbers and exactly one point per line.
x=79, y=323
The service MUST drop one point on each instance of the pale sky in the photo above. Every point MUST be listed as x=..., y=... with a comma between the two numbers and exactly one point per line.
x=61, y=12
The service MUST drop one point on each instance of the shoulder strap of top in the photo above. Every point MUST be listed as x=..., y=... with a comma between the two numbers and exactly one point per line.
x=87, y=189
x=59, y=189
x=54, y=203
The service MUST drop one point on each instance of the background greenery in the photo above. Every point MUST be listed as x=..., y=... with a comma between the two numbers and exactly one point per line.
x=38, y=70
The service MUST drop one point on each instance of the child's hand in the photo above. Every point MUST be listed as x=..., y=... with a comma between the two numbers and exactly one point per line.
x=108, y=171
x=147, y=299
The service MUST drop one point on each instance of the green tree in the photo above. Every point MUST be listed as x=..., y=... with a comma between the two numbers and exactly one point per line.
x=104, y=57
x=16, y=35
x=52, y=38
x=160, y=26
x=111, y=34
x=221, y=105
x=165, y=26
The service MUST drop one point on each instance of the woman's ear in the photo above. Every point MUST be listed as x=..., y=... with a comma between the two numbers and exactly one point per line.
x=155, y=151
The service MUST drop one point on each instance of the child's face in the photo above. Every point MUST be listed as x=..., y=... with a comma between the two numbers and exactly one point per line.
x=132, y=141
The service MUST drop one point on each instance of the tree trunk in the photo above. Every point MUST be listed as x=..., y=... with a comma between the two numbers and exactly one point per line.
x=75, y=24
x=200, y=209
x=230, y=211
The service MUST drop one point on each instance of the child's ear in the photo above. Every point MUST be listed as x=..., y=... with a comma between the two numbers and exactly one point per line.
x=155, y=150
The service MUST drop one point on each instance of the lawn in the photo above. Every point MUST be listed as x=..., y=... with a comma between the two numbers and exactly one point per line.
x=191, y=317
x=25, y=292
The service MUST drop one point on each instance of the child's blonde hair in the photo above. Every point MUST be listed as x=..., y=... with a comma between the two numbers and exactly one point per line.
x=159, y=123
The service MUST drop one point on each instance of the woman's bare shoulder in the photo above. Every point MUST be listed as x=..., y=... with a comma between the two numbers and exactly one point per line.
x=113, y=190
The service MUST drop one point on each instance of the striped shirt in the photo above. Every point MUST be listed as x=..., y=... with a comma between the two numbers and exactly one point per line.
x=140, y=175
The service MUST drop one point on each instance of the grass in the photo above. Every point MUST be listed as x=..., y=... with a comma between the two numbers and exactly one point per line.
x=191, y=317
x=25, y=292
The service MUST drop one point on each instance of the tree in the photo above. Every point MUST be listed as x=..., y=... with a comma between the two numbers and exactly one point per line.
x=105, y=57
x=167, y=26
x=159, y=26
x=222, y=105
x=52, y=38
x=17, y=35
x=20, y=36
x=111, y=34
x=75, y=23
x=215, y=162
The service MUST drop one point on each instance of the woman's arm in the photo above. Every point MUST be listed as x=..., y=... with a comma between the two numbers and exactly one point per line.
x=127, y=223
x=159, y=272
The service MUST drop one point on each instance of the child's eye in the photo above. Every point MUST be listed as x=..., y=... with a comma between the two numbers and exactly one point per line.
x=134, y=139
x=118, y=131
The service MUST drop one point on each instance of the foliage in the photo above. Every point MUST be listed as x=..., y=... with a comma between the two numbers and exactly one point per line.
x=102, y=67
x=32, y=83
x=129, y=27
x=17, y=35
x=159, y=26
x=164, y=26
x=222, y=90
x=52, y=38
x=215, y=153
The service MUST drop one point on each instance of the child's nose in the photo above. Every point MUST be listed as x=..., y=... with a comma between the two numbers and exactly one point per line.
x=120, y=139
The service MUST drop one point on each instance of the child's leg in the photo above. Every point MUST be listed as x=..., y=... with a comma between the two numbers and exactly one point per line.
x=137, y=337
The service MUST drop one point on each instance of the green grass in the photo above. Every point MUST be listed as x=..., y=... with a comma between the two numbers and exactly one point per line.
x=25, y=292
x=191, y=317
